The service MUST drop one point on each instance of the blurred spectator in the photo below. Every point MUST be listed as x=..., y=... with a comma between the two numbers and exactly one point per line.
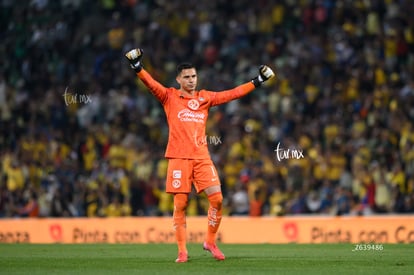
x=239, y=201
x=114, y=208
x=256, y=205
x=342, y=201
x=29, y=208
x=313, y=202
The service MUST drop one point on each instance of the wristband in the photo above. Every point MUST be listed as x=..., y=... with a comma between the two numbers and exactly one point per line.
x=256, y=81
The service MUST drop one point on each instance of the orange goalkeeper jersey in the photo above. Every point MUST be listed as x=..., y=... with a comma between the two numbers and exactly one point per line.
x=187, y=115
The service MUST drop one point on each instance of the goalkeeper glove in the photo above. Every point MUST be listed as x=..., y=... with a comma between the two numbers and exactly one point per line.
x=265, y=73
x=134, y=57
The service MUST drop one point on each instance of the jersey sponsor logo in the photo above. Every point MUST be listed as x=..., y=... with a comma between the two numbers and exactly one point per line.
x=177, y=174
x=187, y=115
x=193, y=104
x=176, y=184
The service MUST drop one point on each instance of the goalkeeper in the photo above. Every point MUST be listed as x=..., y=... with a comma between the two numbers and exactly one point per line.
x=189, y=161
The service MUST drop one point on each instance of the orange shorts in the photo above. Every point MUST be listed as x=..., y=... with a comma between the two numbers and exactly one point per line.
x=181, y=173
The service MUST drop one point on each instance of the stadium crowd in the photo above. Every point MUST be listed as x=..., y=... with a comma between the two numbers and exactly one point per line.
x=332, y=135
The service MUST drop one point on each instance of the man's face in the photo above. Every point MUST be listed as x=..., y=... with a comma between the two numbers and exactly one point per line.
x=188, y=79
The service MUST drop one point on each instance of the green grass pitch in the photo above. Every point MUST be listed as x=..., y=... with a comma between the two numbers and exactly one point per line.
x=240, y=259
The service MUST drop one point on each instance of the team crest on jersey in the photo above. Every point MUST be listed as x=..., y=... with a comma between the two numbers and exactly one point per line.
x=176, y=184
x=193, y=104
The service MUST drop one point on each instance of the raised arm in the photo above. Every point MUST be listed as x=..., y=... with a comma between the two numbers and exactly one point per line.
x=265, y=73
x=134, y=57
x=156, y=88
x=235, y=93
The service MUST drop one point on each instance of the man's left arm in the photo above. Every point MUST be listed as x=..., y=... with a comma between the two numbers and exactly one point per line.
x=265, y=73
x=229, y=95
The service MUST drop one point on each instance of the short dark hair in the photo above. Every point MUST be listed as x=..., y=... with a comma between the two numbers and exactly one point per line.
x=184, y=66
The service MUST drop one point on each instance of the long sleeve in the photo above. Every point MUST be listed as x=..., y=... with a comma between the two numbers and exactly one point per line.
x=156, y=88
x=229, y=95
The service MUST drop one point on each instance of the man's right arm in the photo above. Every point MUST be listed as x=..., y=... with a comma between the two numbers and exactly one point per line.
x=134, y=57
x=156, y=88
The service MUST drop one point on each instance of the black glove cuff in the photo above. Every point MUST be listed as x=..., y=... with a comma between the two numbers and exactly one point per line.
x=138, y=68
x=256, y=82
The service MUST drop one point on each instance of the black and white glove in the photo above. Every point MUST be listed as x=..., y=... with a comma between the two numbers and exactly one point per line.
x=134, y=57
x=265, y=73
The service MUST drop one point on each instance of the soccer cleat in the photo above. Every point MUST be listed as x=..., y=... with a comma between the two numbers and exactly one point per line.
x=182, y=257
x=214, y=250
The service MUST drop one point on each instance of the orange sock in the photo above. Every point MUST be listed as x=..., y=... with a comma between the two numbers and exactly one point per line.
x=214, y=216
x=180, y=205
